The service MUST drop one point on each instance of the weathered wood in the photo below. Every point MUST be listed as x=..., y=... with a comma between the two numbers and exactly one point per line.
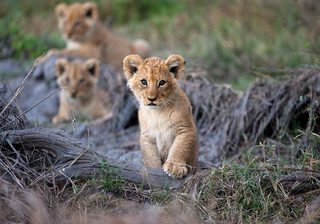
x=70, y=158
x=60, y=159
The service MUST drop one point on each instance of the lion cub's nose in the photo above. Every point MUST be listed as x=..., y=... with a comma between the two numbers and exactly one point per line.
x=152, y=99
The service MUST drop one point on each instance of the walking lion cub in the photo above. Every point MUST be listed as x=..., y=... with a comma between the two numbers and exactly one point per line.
x=168, y=135
x=80, y=93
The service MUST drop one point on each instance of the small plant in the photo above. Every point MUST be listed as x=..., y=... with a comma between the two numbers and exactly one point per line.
x=111, y=179
x=161, y=196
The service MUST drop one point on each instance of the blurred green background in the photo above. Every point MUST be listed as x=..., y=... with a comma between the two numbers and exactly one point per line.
x=235, y=40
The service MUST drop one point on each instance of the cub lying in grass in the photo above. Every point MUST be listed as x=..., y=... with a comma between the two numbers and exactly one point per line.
x=168, y=136
x=86, y=36
x=80, y=94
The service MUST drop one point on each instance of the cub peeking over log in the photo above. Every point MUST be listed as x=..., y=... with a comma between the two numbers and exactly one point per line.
x=86, y=36
x=168, y=135
x=80, y=94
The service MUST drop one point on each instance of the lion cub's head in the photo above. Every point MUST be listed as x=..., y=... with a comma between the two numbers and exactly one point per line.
x=153, y=80
x=76, y=21
x=76, y=78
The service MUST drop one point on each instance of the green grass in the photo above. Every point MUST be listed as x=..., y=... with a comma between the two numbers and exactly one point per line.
x=161, y=196
x=136, y=11
x=233, y=40
x=111, y=180
x=252, y=192
x=23, y=45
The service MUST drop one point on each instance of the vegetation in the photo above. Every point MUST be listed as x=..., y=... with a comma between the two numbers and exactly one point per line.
x=235, y=42
x=250, y=190
x=254, y=192
x=111, y=180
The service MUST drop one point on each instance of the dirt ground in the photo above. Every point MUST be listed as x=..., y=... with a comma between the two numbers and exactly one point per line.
x=120, y=143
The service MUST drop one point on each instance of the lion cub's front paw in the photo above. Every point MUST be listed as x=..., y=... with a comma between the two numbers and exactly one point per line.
x=57, y=119
x=175, y=169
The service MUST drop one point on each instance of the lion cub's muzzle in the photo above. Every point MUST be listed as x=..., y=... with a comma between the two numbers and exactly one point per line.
x=152, y=99
x=74, y=94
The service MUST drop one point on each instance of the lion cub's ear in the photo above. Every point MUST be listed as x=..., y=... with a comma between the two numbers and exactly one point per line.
x=90, y=10
x=176, y=65
x=131, y=64
x=60, y=10
x=61, y=65
x=92, y=67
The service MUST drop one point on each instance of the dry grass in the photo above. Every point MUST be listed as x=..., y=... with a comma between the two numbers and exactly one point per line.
x=29, y=206
x=256, y=194
x=268, y=136
x=263, y=185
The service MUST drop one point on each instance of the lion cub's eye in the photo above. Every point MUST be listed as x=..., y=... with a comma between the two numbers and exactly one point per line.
x=81, y=80
x=144, y=82
x=89, y=13
x=67, y=81
x=162, y=83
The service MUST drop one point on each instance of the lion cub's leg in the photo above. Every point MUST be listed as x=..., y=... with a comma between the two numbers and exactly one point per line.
x=150, y=153
x=99, y=111
x=182, y=156
x=63, y=113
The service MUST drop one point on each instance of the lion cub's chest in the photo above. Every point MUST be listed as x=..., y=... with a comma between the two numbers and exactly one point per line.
x=158, y=127
x=73, y=44
x=80, y=108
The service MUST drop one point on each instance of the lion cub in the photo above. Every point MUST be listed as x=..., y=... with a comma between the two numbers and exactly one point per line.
x=86, y=36
x=168, y=136
x=80, y=93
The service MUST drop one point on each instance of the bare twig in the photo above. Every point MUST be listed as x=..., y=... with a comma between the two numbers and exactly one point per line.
x=19, y=89
x=33, y=106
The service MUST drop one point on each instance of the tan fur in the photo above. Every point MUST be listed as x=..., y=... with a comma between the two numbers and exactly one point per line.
x=168, y=133
x=86, y=36
x=80, y=93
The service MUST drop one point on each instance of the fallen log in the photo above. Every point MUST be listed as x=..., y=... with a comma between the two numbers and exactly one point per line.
x=54, y=157
x=36, y=155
